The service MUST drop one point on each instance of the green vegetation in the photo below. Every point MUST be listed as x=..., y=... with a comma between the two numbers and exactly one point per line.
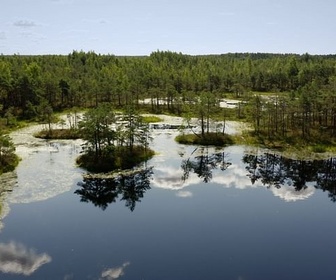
x=119, y=158
x=113, y=141
x=287, y=98
x=58, y=134
x=213, y=139
x=8, y=159
x=36, y=86
x=288, y=145
x=319, y=149
x=150, y=119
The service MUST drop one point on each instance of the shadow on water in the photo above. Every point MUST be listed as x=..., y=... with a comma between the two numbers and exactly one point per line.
x=276, y=171
x=103, y=191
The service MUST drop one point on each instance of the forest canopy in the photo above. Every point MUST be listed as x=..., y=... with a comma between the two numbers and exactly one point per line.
x=280, y=94
x=87, y=79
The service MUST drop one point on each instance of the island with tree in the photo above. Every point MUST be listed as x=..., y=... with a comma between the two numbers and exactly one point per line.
x=113, y=141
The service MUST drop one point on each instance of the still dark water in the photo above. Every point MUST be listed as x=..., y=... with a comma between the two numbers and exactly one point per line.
x=191, y=213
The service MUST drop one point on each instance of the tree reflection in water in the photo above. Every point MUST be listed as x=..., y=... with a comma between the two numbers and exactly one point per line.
x=104, y=191
x=204, y=164
x=276, y=170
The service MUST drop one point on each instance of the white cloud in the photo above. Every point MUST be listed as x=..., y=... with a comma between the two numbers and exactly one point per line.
x=3, y=36
x=16, y=258
x=24, y=23
x=26, y=34
x=114, y=273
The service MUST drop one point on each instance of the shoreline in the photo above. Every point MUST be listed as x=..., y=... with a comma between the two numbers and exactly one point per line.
x=233, y=128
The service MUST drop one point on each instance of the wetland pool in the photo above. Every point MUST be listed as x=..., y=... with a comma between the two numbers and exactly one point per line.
x=189, y=213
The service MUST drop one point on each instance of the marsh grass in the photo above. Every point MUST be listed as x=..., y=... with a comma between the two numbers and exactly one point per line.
x=70, y=134
x=151, y=119
x=209, y=139
x=294, y=145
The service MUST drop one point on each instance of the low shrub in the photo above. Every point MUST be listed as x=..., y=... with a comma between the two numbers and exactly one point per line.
x=209, y=139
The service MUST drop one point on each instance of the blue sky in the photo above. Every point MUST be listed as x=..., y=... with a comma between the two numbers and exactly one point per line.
x=139, y=27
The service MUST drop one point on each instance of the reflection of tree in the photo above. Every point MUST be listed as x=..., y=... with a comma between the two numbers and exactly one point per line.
x=267, y=167
x=134, y=187
x=301, y=172
x=252, y=167
x=204, y=164
x=275, y=170
x=326, y=180
x=100, y=191
x=103, y=191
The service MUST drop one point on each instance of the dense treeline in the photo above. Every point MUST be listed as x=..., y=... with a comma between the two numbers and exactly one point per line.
x=308, y=113
x=302, y=87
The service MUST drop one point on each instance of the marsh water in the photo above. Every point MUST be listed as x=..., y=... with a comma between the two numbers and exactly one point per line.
x=189, y=213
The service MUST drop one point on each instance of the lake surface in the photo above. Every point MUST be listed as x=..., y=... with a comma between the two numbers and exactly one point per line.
x=190, y=213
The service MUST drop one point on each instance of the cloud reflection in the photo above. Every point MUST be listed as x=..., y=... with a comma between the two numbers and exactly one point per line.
x=170, y=178
x=114, y=273
x=234, y=178
x=288, y=193
x=18, y=259
x=184, y=194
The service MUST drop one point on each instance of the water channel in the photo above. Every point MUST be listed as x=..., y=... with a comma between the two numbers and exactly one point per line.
x=191, y=212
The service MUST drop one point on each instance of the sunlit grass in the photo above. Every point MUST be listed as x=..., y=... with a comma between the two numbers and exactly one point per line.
x=209, y=139
x=151, y=119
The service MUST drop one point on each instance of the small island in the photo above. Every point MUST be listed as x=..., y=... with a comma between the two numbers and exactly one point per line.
x=112, y=140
